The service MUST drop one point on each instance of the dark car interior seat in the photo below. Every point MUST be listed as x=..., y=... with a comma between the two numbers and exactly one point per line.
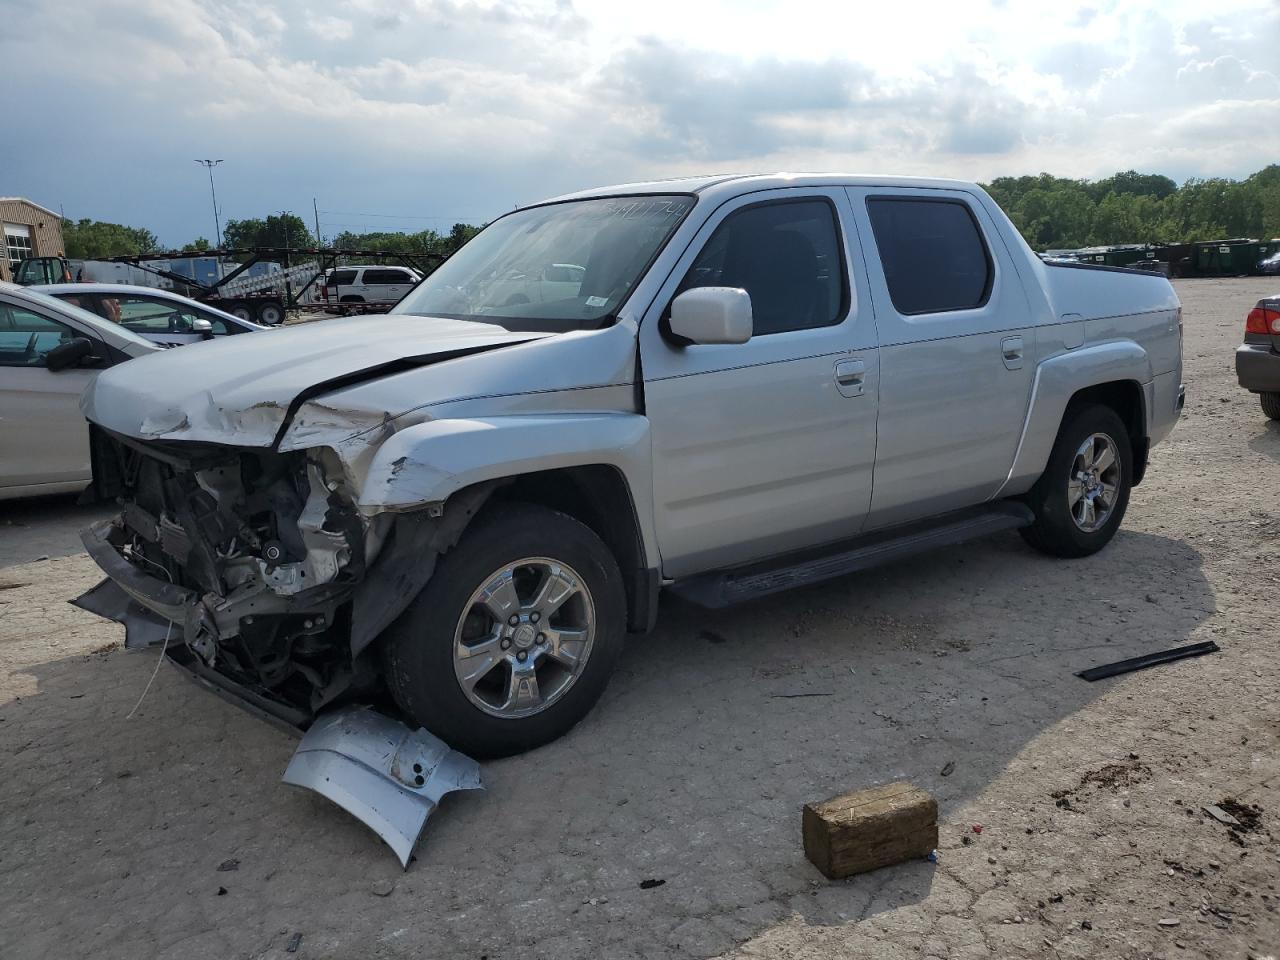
x=780, y=270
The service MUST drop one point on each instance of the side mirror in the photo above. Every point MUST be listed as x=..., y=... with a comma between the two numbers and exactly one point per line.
x=203, y=327
x=712, y=315
x=69, y=354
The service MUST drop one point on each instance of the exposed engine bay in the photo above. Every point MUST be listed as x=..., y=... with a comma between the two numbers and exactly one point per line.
x=255, y=565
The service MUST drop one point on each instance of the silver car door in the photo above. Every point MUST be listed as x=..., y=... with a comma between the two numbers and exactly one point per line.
x=957, y=349
x=43, y=435
x=768, y=445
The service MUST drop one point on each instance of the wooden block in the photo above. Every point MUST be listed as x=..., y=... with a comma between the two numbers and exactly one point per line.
x=868, y=829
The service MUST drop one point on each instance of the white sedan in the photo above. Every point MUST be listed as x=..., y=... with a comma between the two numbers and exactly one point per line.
x=160, y=316
x=50, y=352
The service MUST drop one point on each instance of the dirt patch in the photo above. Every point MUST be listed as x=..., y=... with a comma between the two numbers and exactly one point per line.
x=1116, y=775
x=1112, y=776
x=1249, y=814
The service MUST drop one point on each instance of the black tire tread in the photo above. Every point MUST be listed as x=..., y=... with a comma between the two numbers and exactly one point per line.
x=1271, y=404
x=415, y=671
x=1053, y=531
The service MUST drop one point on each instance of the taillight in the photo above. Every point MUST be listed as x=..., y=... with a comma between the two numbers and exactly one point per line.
x=1263, y=320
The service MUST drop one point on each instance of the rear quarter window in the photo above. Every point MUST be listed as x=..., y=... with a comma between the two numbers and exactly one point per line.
x=386, y=276
x=342, y=278
x=933, y=254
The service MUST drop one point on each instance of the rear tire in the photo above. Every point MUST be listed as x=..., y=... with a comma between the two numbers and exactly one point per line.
x=1079, y=503
x=271, y=313
x=1271, y=404
x=448, y=632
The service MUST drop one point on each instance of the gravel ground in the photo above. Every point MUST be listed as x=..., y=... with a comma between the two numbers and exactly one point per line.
x=693, y=768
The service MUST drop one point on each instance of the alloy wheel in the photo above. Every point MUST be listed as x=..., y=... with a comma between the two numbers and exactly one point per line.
x=524, y=637
x=1094, y=485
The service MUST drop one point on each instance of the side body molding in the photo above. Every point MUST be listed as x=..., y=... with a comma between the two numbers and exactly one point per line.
x=1056, y=381
x=429, y=462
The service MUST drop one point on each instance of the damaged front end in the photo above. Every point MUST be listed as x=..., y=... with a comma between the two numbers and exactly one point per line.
x=248, y=558
x=266, y=584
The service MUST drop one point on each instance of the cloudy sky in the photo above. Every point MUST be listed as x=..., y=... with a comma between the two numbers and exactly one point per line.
x=404, y=114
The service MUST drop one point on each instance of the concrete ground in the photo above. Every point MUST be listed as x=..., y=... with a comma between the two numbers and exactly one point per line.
x=693, y=768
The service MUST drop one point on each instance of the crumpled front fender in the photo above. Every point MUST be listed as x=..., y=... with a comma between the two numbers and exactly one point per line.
x=429, y=462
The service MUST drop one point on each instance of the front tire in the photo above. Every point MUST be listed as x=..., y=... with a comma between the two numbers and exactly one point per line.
x=1080, y=499
x=1270, y=404
x=240, y=310
x=514, y=637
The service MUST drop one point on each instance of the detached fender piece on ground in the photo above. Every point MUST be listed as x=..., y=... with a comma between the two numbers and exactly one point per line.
x=384, y=774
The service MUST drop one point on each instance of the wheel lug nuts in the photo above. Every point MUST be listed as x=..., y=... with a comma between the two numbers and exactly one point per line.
x=542, y=638
x=506, y=643
x=515, y=618
x=535, y=616
x=522, y=656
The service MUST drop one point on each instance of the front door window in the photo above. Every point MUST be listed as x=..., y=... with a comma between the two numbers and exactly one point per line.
x=26, y=337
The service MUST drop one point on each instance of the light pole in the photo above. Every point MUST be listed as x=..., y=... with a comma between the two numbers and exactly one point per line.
x=217, y=226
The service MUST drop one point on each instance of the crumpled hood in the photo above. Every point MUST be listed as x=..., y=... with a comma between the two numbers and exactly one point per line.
x=239, y=390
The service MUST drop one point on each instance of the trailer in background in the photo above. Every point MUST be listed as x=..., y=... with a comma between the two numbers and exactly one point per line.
x=260, y=283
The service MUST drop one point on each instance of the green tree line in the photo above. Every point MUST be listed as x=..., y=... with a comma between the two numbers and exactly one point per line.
x=422, y=242
x=89, y=239
x=86, y=239
x=1131, y=207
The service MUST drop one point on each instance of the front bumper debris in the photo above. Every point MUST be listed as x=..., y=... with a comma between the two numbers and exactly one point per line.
x=384, y=774
x=267, y=588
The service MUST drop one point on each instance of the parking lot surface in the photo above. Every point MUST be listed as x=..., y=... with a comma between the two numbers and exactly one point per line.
x=171, y=835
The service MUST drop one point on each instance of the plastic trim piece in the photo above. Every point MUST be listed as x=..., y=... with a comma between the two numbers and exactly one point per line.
x=387, y=776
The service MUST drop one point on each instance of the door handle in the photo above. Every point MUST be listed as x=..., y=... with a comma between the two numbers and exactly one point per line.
x=1011, y=352
x=850, y=375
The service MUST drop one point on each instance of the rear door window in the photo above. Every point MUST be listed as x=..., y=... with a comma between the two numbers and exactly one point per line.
x=385, y=276
x=933, y=254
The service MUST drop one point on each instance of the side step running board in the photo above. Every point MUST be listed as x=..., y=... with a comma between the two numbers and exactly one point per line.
x=732, y=586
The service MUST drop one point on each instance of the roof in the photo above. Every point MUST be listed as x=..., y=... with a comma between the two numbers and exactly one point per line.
x=736, y=183
x=31, y=203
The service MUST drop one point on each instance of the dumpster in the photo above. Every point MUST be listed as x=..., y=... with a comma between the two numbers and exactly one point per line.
x=1227, y=258
x=1180, y=257
x=1126, y=256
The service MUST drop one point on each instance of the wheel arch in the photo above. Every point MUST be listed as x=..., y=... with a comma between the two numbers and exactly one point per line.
x=592, y=467
x=1128, y=400
x=1116, y=373
x=598, y=496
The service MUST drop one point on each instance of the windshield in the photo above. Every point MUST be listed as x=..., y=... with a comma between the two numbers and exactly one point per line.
x=555, y=268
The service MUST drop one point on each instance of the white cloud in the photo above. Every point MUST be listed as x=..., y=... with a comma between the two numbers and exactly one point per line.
x=328, y=27
x=408, y=106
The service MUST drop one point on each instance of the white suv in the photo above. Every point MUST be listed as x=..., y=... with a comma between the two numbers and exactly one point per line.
x=369, y=284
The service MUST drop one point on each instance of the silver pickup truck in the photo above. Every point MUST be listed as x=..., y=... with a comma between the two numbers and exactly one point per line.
x=735, y=386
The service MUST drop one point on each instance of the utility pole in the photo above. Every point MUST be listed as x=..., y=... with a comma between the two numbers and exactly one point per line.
x=217, y=225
